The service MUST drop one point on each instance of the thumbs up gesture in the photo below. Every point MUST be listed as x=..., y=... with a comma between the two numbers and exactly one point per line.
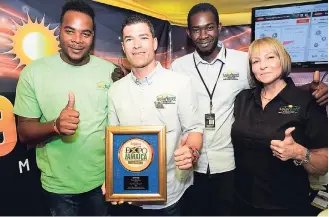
x=286, y=149
x=319, y=89
x=316, y=80
x=68, y=120
x=183, y=155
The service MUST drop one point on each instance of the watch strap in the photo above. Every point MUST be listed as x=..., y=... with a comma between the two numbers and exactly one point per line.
x=305, y=160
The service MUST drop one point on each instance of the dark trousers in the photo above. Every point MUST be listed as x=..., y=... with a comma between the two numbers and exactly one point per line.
x=242, y=208
x=210, y=195
x=131, y=210
x=91, y=203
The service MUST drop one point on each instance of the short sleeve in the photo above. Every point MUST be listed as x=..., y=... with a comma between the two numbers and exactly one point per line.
x=112, y=114
x=26, y=103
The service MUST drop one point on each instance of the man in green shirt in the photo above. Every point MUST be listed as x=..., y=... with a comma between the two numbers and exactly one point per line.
x=61, y=104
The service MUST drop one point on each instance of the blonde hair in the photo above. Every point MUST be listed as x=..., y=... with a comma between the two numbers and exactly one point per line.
x=278, y=50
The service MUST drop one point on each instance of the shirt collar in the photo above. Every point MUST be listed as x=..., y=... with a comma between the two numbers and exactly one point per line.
x=148, y=79
x=221, y=56
x=286, y=93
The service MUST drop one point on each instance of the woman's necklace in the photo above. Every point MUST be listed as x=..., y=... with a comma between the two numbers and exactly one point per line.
x=262, y=95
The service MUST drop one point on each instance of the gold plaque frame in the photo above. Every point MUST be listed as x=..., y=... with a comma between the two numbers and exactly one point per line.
x=161, y=194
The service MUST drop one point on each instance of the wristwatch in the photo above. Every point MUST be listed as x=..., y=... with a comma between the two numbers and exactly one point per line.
x=305, y=160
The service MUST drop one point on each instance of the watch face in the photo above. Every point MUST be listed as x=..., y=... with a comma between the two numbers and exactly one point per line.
x=135, y=155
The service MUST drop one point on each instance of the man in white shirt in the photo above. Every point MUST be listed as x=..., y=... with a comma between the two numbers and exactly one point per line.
x=218, y=74
x=139, y=99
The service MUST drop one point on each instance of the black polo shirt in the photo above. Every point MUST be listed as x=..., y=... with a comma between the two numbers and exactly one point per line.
x=262, y=179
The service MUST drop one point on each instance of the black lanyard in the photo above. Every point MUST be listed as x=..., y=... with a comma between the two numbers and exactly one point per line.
x=213, y=91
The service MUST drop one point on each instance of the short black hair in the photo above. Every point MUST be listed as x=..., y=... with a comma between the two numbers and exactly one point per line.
x=202, y=7
x=79, y=6
x=136, y=18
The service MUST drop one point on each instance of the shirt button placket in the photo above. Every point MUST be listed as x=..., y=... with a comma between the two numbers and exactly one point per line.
x=142, y=104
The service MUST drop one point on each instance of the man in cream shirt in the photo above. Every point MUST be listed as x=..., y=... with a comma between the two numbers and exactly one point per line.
x=138, y=99
x=218, y=74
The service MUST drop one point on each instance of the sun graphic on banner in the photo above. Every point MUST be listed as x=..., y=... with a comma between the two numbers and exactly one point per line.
x=33, y=40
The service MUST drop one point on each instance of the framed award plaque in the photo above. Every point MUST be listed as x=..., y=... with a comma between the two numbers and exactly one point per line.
x=136, y=163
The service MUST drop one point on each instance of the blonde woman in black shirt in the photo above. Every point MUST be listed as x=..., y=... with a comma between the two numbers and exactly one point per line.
x=280, y=135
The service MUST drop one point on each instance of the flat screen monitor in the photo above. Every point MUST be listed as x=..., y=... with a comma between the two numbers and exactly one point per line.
x=301, y=28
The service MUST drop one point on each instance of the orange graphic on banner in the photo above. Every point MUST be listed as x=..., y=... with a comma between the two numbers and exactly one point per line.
x=7, y=127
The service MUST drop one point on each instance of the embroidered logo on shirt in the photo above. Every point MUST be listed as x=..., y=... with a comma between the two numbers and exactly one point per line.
x=103, y=85
x=164, y=99
x=230, y=75
x=289, y=109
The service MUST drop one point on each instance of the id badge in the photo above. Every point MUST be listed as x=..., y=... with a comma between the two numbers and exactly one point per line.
x=210, y=121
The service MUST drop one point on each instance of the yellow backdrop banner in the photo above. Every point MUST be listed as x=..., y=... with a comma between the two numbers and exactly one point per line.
x=176, y=19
